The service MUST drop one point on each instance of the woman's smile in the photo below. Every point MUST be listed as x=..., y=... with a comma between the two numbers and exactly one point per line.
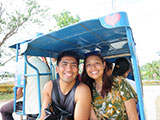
x=95, y=67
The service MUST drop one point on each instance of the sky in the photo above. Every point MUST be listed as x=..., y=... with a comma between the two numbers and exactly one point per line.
x=142, y=14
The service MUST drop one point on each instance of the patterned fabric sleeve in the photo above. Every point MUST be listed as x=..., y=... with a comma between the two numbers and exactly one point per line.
x=126, y=90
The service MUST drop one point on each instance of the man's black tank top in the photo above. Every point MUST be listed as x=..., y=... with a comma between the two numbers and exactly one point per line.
x=66, y=101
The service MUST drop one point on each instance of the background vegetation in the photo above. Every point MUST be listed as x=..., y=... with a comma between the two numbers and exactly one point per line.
x=151, y=71
x=6, y=96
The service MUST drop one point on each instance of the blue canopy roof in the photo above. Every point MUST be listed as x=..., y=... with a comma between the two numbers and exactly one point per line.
x=106, y=34
x=111, y=35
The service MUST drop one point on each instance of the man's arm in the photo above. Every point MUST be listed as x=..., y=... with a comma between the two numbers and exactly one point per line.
x=83, y=102
x=92, y=114
x=46, y=98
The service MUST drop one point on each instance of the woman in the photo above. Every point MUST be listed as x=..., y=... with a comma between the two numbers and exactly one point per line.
x=111, y=99
x=122, y=69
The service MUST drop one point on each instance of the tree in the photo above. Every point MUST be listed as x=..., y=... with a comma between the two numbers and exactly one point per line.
x=151, y=71
x=65, y=18
x=12, y=21
x=18, y=19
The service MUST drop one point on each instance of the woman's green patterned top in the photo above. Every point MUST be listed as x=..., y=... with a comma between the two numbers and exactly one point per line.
x=112, y=105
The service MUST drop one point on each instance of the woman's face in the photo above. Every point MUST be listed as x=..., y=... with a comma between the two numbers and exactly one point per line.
x=95, y=67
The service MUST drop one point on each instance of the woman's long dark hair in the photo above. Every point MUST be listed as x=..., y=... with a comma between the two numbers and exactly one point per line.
x=107, y=80
x=122, y=65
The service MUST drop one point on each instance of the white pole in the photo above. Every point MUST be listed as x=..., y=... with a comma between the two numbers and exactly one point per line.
x=113, y=4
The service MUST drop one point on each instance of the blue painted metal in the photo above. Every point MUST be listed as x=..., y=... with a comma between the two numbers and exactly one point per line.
x=120, y=18
x=38, y=84
x=15, y=88
x=136, y=72
x=83, y=37
x=39, y=74
x=110, y=34
x=24, y=87
x=19, y=83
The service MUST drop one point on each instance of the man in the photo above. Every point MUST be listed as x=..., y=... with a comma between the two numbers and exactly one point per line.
x=80, y=102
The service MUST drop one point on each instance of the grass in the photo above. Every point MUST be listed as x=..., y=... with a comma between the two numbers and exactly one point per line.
x=150, y=84
x=6, y=96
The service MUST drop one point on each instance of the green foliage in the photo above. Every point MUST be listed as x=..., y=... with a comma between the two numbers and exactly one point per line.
x=151, y=71
x=65, y=18
x=12, y=21
x=6, y=75
x=6, y=96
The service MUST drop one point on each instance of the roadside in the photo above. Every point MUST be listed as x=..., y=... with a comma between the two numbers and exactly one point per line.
x=151, y=93
x=4, y=100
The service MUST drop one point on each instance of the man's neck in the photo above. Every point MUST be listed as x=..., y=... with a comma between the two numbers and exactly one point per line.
x=66, y=87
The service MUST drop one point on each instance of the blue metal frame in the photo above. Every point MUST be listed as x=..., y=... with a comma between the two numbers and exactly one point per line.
x=38, y=82
x=24, y=83
x=136, y=72
x=19, y=85
x=104, y=33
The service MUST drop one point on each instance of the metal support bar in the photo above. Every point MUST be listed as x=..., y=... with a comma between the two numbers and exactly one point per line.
x=38, y=84
x=136, y=72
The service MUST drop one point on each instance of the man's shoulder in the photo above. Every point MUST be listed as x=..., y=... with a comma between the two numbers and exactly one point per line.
x=81, y=84
x=48, y=88
x=82, y=87
x=82, y=92
x=49, y=84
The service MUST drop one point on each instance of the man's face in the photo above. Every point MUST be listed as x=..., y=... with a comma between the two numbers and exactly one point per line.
x=67, y=69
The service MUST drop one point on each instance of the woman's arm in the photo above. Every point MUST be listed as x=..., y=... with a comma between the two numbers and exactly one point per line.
x=131, y=109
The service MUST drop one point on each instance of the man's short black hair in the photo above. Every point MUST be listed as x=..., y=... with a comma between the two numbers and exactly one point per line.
x=68, y=53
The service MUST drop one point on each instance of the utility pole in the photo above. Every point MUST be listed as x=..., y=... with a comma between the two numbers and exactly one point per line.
x=113, y=4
